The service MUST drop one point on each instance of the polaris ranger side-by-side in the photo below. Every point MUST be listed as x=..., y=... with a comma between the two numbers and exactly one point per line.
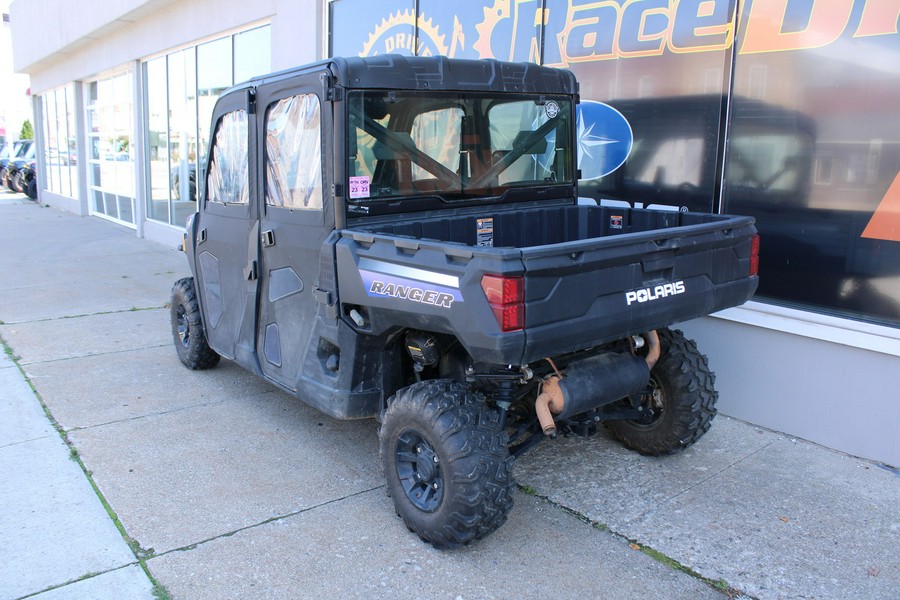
x=401, y=238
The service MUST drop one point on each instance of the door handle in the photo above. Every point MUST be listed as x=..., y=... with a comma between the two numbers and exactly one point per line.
x=268, y=238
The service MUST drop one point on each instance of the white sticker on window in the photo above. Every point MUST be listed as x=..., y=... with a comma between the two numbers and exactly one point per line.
x=552, y=109
x=359, y=186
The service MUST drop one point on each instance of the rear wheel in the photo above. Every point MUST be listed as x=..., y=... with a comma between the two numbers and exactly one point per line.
x=446, y=464
x=683, y=402
x=187, y=328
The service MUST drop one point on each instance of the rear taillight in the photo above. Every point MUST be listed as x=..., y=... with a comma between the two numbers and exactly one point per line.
x=754, y=256
x=506, y=295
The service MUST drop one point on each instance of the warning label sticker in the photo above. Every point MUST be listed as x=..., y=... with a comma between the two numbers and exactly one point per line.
x=484, y=232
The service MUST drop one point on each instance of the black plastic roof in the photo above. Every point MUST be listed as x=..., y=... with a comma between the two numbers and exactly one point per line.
x=394, y=71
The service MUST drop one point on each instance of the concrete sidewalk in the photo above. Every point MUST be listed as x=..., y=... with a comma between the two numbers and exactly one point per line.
x=217, y=485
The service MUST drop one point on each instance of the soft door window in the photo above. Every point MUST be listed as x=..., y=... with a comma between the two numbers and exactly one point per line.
x=294, y=154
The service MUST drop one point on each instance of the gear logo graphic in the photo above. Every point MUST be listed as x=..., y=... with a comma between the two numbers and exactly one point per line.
x=492, y=16
x=509, y=30
x=396, y=35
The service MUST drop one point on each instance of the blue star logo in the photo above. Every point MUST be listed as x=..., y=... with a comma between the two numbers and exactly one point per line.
x=605, y=139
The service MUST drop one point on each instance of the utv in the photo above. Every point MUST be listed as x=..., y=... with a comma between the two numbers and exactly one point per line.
x=401, y=238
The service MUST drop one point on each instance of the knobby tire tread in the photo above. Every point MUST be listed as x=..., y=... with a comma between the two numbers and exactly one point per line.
x=690, y=397
x=477, y=462
x=197, y=355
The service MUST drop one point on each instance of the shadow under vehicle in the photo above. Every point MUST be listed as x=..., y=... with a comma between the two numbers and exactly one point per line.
x=401, y=238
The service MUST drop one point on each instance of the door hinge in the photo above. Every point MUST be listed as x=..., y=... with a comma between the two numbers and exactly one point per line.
x=333, y=91
x=251, y=101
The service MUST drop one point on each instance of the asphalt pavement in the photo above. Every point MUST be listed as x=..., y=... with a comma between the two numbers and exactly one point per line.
x=128, y=476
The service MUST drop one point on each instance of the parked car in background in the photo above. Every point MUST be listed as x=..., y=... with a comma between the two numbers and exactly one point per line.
x=28, y=179
x=20, y=153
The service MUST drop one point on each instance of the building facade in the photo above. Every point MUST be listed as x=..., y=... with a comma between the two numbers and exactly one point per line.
x=785, y=110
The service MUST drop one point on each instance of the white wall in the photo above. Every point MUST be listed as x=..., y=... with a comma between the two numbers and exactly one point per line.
x=830, y=381
x=99, y=35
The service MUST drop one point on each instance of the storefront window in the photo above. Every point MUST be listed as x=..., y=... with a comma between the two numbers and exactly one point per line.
x=711, y=106
x=214, y=76
x=813, y=154
x=182, y=89
x=354, y=24
x=157, y=141
x=182, y=135
x=252, y=53
x=111, y=141
x=61, y=173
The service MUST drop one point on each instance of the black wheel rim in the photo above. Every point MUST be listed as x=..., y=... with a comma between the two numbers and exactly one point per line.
x=184, y=326
x=419, y=469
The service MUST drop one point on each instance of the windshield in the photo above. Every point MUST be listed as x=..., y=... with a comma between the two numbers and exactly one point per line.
x=456, y=146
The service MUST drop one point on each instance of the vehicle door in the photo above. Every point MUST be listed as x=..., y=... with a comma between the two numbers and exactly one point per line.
x=294, y=120
x=228, y=231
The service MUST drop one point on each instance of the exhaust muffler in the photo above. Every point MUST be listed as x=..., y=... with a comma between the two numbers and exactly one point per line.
x=594, y=382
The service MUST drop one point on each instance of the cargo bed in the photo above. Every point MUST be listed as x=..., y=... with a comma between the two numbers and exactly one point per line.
x=591, y=274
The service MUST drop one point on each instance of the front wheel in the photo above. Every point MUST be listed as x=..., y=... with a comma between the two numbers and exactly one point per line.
x=682, y=403
x=446, y=464
x=187, y=328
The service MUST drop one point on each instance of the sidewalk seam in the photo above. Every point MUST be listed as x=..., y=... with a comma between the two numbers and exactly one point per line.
x=100, y=313
x=721, y=586
x=85, y=577
x=158, y=590
x=62, y=358
x=28, y=441
x=709, y=477
x=165, y=412
x=267, y=521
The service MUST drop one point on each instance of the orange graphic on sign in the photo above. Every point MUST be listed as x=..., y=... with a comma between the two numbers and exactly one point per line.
x=885, y=223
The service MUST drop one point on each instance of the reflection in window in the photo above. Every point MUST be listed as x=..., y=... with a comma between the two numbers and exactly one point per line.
x=436, y=133
x=111, y=137
x=51, y=158
x=676, y=162
x=157, y=140
x=214, y=76
x=460, y=144
x=767, y=161
x=823, y=170
x=509, y=121
x=228, y=178
x=60, y=174
x=182, y=89
x=294, y=154
x=252, y=53
x=182, y=135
